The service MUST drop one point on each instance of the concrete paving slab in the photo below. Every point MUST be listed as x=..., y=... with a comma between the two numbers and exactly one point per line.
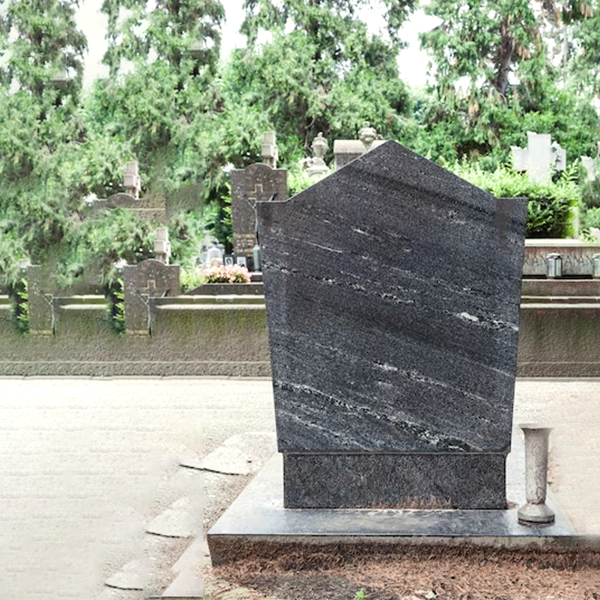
x=116, y=594
x=133, y=576
x=186, y=585
x=178, y=521
x=239, y=455
x=228, y=461
x=192, y=555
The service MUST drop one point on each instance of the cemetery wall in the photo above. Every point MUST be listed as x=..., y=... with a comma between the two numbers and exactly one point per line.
x=186, y=338
x=226, y=335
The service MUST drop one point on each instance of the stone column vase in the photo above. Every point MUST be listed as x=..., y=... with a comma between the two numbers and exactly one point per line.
x=536, y=512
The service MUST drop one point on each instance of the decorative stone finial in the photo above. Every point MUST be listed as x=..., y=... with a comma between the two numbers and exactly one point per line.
x=132, y=181
x=269, y=150
x=367, y=135
x=317, y=167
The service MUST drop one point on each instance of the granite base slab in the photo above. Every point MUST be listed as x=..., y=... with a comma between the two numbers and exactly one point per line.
x=257, y=522
x=395, y=480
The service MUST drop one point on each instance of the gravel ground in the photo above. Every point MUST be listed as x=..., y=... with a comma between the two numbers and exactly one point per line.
x=86, y=463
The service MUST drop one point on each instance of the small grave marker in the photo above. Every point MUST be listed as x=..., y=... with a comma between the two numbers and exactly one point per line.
x=256, y=183
x=150, y=279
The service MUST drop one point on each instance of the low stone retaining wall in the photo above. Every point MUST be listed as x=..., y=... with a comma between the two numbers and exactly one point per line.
x=208, y=331
x=227, y=336
x=188, y=336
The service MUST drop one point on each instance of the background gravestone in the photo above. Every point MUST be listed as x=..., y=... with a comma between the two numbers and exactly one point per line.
x=345, y=151
x=42, y=290
x=150, y=279
x=256, y=183
x=539, y=158
x=393, y=335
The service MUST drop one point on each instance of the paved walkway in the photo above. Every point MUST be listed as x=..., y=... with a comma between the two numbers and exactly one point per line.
x=85, y=464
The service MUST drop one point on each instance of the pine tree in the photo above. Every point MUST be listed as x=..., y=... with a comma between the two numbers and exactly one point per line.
x=40, y=83
x=494, y=81
x=163, y=59
x=320, y=71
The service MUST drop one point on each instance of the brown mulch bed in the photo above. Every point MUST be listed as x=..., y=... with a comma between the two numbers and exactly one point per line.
x=419, y=572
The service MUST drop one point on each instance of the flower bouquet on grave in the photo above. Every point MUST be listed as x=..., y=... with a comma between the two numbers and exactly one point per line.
x=227, y=274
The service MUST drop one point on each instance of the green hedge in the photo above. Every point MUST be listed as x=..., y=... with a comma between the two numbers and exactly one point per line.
x=553, y=208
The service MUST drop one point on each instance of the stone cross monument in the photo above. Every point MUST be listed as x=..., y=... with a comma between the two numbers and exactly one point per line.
x=540, y=157
x=260, y=182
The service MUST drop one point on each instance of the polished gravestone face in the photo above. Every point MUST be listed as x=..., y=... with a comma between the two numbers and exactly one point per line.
x=393, y=291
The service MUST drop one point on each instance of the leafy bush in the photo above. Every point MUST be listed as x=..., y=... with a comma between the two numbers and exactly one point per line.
x=97, y=245
x=227, y=274
x=190, y=278
x=20, y=294
x=590, y=218
x=590, y=194
x=298, y=181
x=553, y=208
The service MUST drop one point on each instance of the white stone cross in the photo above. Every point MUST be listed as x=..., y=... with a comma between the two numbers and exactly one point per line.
x=539, y=158
x=591, y=165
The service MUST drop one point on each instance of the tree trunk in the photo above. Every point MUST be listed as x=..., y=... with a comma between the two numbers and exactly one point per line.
x=503, y=62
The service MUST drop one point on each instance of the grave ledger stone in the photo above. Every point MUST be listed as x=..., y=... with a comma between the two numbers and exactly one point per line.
x=392, y=291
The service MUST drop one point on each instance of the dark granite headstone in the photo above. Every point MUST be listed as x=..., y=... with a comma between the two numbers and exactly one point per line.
x=149, y=279
x=392, y=292
x=256, y=183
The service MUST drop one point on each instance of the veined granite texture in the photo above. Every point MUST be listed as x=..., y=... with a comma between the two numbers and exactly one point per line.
x=400, y=480
x=392, y=291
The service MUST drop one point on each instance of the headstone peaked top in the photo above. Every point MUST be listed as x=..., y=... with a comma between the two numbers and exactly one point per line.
x=392, y=291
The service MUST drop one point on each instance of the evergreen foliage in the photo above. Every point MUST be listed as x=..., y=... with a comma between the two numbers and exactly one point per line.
x=552, y=208
x=188, y=115
x=320, y=70
x=495, y=82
